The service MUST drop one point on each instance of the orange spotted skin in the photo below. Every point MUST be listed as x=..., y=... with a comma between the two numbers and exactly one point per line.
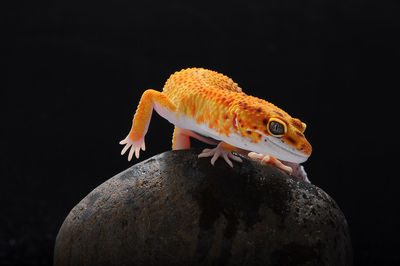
x=216, y=100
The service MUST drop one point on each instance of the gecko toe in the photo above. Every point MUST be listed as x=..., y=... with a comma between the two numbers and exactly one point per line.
x=137, y=150
x=205, y=153
x=125, y=149
x=131, y=154
x=124, y=141
x=214, y=158
x=225, y=156
x=235, y=158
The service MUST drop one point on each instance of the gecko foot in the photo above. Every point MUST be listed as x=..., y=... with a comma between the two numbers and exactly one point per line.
x=298, y=171
x=220, y=152
x=135, y=146
x=267, y=159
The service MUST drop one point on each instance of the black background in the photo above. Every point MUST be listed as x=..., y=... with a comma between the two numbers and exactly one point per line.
x=75, y=71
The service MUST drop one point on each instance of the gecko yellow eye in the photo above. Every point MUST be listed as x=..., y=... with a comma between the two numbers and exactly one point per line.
x=276, y=127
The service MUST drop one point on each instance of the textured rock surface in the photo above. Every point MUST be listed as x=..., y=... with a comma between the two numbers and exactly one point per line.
x=176, y=209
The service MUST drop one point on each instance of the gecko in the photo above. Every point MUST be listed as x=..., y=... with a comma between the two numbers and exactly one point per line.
x=212, y=108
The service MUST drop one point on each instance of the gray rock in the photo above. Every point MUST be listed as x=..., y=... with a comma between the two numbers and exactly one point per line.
x=176, y=209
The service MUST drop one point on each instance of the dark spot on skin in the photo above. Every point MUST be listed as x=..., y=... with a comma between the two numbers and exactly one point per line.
x=299, y=134
x=265, y=131
x=249, y=132
x=297, y=123
x=278, y=113
x=243, y=105
x=259, y=136
x=226, y=117
x=302, y=147
x=255, y=127
x=259, y=109
x=290, y=139
x=240, y=120
x=265, y=121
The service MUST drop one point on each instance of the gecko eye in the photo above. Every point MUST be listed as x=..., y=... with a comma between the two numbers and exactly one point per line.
x=276, y=127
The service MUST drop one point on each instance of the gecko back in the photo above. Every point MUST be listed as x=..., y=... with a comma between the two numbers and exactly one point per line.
x=192, y=80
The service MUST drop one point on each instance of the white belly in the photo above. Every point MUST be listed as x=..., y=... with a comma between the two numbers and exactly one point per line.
x=267, y=145
x=188, y=123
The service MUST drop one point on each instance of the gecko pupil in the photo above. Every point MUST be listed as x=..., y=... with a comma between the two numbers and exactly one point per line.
x=276, y=128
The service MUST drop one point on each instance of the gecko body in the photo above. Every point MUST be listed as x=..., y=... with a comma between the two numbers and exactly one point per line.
x=211, y=107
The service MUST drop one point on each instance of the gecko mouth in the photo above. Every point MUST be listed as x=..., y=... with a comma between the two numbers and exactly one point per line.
x=285, y=152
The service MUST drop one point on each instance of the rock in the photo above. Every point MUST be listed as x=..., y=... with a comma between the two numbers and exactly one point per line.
x=176, y=209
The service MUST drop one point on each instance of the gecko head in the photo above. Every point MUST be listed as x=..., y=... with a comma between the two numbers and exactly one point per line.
x=270, y=130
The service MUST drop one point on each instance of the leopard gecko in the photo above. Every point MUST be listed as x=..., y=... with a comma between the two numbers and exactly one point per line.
x=212, y=108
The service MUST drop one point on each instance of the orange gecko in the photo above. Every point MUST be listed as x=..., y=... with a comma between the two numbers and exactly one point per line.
x=211, y=107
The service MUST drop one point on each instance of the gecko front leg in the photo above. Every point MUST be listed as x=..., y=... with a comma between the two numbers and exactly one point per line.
x=141, y=120
x=293, y=169
x=267, y=159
